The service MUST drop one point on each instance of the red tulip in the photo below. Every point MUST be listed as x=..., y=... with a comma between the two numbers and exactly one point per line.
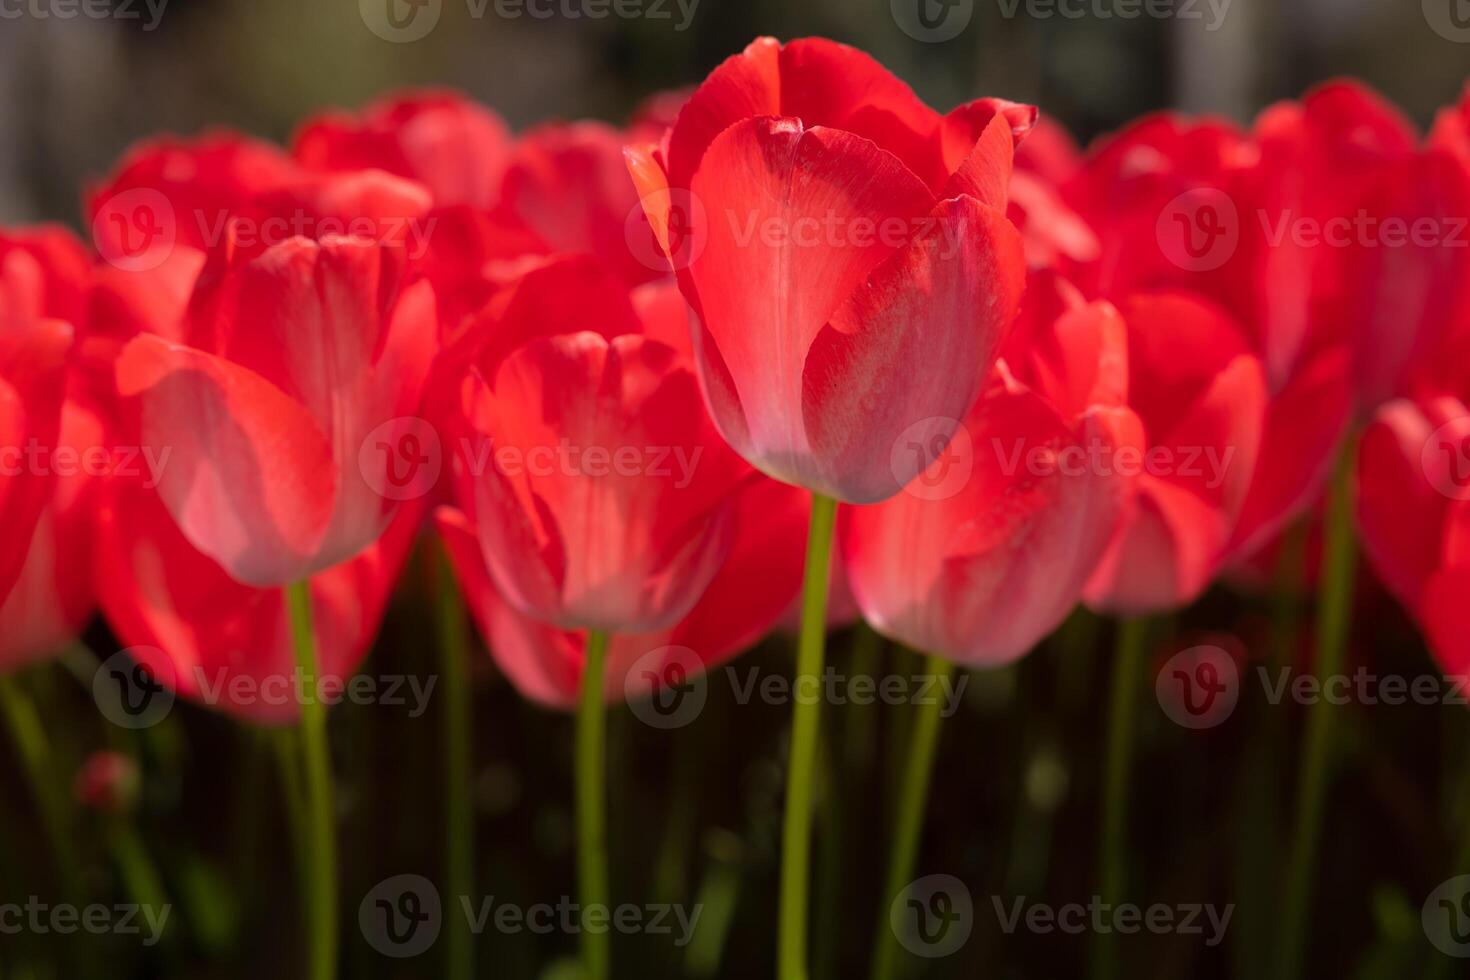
x=986, y=552
x=298, y=362
x=454, y=147
x=569, y=184
x=40, y=288
x=1201, y=394
x=53, y=596
x=757, y=582
x=847, y=255
x=600, y=490
x=1414, y=514
x=184, y=617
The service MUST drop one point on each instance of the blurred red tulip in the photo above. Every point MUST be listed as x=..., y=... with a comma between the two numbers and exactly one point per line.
x=847, y=254
x=456, y=148
x=1201, y=394
x=285, y=397
x=601, y=492
x=1414, y=515
x=986, y=552
x=53, y=597
x=42, y=285
x=756, y=584
x=228, y=646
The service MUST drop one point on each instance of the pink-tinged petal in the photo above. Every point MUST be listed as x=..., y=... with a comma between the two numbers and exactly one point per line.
x=543, y=662
x=756, y=583
x=249, y=476
x=52, y=598
x=909, y=348
x=570, y=183
x=214, y=640
x=33, y=356
x=1073, y=353
x=818, y=81
x=1163, y=557
x=1446, y=619
x=325, y=324
x=798, y=221
x=1303, y=428
x=599, y=489
x=456, y=148
x=983, y=574
x=1401, y=514
x=558, y=295
x=744, y=85
x=986, y=173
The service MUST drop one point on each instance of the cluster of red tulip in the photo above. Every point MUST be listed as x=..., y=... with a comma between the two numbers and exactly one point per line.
x=622, y=371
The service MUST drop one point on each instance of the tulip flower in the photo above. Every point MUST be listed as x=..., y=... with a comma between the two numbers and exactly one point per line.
x=455, y=148
x=42, y=284
x=299, y=364
x=852, y=273
x=53, y=597
x=744, y=601
x=1413, y=480
x=602, y=494
x=283, y=391
x=226, y=645
x=600, y=489
x=1201, y=394
x=985, y=553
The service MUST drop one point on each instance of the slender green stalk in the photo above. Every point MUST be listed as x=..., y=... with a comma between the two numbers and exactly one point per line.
x=909, y=823
x=1122, y=722
x=1334, y=614
x=1439, y=965
x=321, y=899
x=591, y=768
x=806, y=724
x=29, y=736
x=459, y=826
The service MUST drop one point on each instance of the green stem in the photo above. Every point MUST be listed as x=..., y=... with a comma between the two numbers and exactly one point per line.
x=30, y=740
x=912, y=801
x=459, y=826
x=805, y=727
x=1127, y=680
x=591, y=768
x=321, y=899
x=1334, y=614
